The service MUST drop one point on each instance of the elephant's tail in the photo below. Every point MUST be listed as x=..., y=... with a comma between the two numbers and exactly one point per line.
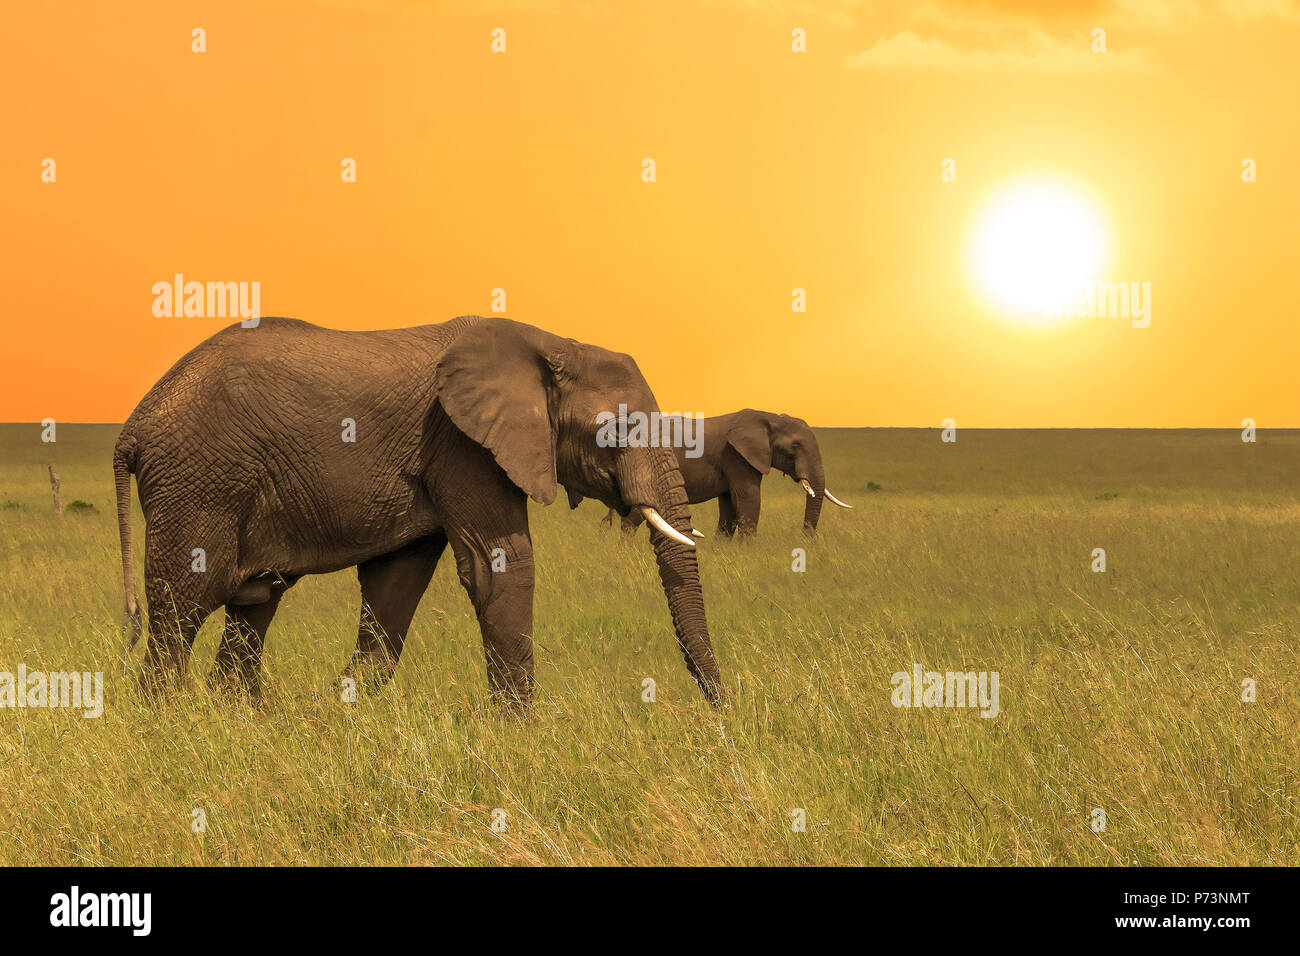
x=123, y=468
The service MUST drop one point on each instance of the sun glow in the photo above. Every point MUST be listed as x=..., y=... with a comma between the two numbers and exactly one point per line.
x=1036, y=244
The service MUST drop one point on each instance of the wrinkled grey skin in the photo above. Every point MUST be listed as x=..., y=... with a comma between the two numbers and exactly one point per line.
x=737, y=451
x=239, y=450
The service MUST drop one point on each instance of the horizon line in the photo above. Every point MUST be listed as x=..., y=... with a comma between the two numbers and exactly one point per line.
x=969, y=428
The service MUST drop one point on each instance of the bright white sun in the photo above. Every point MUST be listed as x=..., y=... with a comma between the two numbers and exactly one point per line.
x=1036, y=244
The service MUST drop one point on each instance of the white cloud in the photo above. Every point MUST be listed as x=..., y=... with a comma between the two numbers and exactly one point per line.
x=1041, y=54
x=1241, y=10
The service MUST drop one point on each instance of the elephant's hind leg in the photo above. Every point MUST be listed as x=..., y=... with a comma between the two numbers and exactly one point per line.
x=239, y=656
x=391, y=587
x=174, y=621
x=187, y=567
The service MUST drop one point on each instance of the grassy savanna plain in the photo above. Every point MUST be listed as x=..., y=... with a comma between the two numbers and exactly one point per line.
x=1119, y=690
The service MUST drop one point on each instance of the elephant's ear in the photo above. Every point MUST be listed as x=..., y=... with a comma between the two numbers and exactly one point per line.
x=496, y=382
x=752, y=439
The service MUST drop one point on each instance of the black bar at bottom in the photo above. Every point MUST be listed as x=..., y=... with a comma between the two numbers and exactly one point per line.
x=919, y=906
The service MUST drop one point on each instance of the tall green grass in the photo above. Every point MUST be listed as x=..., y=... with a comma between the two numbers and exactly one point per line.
x=1119, y=691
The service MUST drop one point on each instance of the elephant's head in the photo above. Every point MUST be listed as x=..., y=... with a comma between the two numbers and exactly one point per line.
x=767, y=440
x=537, y=402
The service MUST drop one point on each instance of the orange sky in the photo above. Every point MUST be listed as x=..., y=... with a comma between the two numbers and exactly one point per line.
x=775, y=170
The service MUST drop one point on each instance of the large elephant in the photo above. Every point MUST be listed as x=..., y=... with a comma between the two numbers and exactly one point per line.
x=735, y=452
x=287, y=449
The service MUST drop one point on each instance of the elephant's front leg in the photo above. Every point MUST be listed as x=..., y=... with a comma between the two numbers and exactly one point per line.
x=496, y=568
x=726, y=515
x=746, y=503
x=486, y=521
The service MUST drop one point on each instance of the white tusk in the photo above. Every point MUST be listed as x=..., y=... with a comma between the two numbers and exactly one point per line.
x=836, y=500
x=807, y=487
x=657, y=520
x=698, y=534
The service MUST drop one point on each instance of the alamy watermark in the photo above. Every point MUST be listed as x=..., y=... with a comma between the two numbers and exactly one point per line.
x=922, y=688
x=130, y=910
x=624, y=429
x=80, y=690
x=210, y=300
x=1107, y=300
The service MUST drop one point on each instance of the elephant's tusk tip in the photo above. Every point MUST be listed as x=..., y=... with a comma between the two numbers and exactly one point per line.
x=808, y=488
x=698, y=534
x=831, y=497
x=664, y=527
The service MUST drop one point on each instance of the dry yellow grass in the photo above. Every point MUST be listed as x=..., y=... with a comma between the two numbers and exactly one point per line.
x=1119, y=690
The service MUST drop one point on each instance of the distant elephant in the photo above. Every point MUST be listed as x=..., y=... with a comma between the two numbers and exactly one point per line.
x=269, y=453
x=736, y=451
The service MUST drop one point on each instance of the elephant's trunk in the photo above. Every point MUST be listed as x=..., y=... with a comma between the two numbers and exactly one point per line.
x=812, y=472
x=678, y=569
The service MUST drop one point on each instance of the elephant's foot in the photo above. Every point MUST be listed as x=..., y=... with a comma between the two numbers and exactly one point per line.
x=511, y=683
x=226, y=680
x=371, y=668
x=517, y=701
x=158, y=683
x=164, y=669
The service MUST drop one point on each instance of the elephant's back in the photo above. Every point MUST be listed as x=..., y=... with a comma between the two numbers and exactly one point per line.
x=288, y=402
x=292, y=426
x=285, y=356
